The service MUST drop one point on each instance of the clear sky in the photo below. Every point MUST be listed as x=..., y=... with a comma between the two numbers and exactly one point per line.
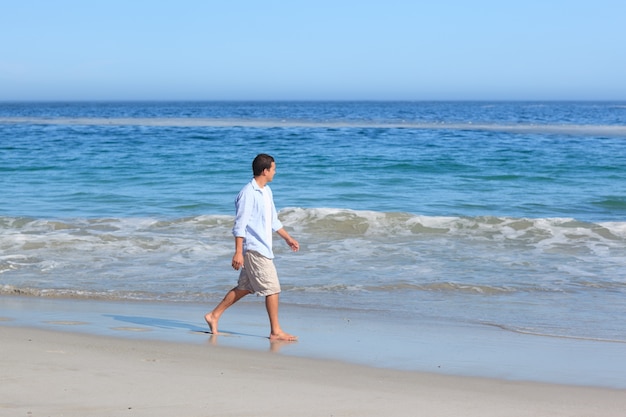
x=312, y=50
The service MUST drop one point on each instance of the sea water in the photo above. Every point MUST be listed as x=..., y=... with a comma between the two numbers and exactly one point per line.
x=507, y=214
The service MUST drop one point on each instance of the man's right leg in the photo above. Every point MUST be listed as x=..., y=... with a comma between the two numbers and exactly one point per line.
x=231, y=298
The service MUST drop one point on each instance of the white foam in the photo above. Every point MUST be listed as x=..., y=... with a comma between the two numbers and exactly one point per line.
x=602, y=130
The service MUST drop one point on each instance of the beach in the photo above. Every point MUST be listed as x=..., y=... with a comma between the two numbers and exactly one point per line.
x=54, y=373
x=456, y=258
x=90, y=358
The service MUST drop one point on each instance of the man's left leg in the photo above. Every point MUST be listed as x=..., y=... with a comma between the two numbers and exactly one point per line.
x=276, y=332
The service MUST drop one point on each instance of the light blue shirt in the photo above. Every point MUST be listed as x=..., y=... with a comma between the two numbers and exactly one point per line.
x=251, y=221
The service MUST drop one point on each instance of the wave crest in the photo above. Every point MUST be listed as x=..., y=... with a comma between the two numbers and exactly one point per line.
x=350, y=223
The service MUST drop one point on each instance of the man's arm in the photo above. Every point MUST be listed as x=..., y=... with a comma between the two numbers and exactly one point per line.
x=243, y=210
x=238, y=256
x=293, y=243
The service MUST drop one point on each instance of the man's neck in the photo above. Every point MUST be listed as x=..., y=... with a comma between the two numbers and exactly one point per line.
x=261, y=182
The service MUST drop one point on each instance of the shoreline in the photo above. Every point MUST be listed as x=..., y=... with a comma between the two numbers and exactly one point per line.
x=356, y=338
x=75, y=374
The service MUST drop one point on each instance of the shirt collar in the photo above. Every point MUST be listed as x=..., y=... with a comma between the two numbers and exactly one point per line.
x=256, y=186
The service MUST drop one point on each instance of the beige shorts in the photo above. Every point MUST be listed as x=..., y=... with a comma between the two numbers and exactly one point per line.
x=258, y=275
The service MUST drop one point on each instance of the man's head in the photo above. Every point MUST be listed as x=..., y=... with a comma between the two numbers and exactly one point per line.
x=261, y=163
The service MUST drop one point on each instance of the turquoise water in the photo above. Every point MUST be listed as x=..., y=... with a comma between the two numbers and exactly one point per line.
x=503, y=214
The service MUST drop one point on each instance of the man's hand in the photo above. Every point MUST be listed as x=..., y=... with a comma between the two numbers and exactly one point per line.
x=237, y=261
x=293, y=244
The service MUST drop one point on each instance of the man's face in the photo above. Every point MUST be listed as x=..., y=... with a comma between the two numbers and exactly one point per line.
x=269, y=173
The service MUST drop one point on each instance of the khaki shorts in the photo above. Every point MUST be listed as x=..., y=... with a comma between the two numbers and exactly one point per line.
x=258, y=275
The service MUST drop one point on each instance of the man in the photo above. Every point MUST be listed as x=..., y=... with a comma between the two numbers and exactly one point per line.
x=255, y=220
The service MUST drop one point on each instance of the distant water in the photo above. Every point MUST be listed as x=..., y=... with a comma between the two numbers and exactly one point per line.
x=507, y=214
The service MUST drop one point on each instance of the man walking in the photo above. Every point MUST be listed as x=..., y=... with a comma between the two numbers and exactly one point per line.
x=255, y=221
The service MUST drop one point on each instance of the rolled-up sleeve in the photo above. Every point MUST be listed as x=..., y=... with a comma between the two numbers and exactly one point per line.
x=276, y=224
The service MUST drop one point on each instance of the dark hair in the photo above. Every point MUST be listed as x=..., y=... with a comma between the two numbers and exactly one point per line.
x=262, y=162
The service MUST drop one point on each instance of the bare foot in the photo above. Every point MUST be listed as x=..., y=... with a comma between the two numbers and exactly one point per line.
x=282, y=337
x=212, y=322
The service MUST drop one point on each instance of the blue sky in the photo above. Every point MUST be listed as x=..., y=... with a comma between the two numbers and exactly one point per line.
x=312, y=50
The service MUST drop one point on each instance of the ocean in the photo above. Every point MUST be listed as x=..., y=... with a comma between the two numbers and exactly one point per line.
x=505, y=214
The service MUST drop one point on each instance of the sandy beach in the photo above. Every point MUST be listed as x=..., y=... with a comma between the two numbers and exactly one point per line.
x=53, y=373
x=89, y=358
